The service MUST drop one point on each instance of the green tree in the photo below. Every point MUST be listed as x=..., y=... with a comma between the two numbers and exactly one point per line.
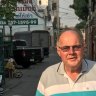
x=81, y=24
x=81, y=10
x=8, y=8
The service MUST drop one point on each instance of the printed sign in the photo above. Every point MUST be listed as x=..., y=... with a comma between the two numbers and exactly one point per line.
x=19, y=22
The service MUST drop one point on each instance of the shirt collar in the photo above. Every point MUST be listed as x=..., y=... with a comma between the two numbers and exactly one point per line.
x=84, y=66
x=61, y=70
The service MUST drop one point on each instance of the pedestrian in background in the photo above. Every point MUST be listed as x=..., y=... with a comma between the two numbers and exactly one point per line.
x=10, y=67
x=74, y=75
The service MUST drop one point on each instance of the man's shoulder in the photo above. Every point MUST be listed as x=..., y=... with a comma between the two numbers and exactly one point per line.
x=91, y=64
x=52, y=67
x=90, y=61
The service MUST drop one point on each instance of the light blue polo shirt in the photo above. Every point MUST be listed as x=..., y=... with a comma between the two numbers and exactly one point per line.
x=55, y=82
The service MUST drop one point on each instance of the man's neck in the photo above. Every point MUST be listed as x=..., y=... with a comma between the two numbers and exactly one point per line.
x=73, y=72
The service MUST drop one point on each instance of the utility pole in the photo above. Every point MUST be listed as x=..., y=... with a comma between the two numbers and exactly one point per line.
x=89, y=33
x=45, y=17
x=58, y=19
x=28, y=27
x=11, y=47
x=55, y=17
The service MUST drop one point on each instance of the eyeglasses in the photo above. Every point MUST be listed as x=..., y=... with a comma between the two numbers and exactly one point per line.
x=67, y=48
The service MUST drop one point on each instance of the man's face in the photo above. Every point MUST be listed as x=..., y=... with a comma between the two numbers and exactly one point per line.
x=70, y=50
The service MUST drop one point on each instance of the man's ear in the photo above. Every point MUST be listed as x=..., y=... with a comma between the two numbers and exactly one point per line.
x=58, y=50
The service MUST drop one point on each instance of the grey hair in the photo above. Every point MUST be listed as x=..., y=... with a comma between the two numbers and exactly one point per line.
x=79, y=33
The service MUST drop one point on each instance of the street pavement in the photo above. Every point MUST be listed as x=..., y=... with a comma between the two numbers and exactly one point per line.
x=11, y=83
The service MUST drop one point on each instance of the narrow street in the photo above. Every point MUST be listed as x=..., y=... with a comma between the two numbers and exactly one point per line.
x=27, y=84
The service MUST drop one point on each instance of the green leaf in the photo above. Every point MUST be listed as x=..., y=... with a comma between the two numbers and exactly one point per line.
x=7, y=8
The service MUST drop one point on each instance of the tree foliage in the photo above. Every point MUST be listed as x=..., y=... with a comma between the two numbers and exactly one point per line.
x=8, y=8
x=81, y=8
x=81, y=25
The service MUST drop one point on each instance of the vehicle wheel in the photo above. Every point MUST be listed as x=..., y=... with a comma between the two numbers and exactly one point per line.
x=18, y=74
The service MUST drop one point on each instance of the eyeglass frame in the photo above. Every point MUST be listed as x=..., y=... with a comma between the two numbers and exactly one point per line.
x=74, y=47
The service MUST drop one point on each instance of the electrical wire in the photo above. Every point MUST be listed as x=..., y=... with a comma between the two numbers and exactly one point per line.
x=36, y=11
x=65, y=9
x=69, y=17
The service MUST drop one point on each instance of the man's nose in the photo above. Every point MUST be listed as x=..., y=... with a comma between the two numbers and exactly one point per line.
x=71, y=50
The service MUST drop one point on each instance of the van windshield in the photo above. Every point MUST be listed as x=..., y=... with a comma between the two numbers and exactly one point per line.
x=19, y=43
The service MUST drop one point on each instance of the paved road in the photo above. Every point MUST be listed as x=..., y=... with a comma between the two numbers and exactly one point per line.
x=26, y=86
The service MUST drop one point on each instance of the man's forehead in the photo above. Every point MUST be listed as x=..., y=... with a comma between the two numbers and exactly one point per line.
x=68, y=33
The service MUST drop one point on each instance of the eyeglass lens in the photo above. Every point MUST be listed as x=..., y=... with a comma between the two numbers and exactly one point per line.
x=67, y=48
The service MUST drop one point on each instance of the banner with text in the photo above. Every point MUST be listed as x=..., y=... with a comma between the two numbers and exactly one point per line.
x=19, y=22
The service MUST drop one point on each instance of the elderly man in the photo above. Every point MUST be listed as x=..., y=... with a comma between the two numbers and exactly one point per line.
x=74, y=75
